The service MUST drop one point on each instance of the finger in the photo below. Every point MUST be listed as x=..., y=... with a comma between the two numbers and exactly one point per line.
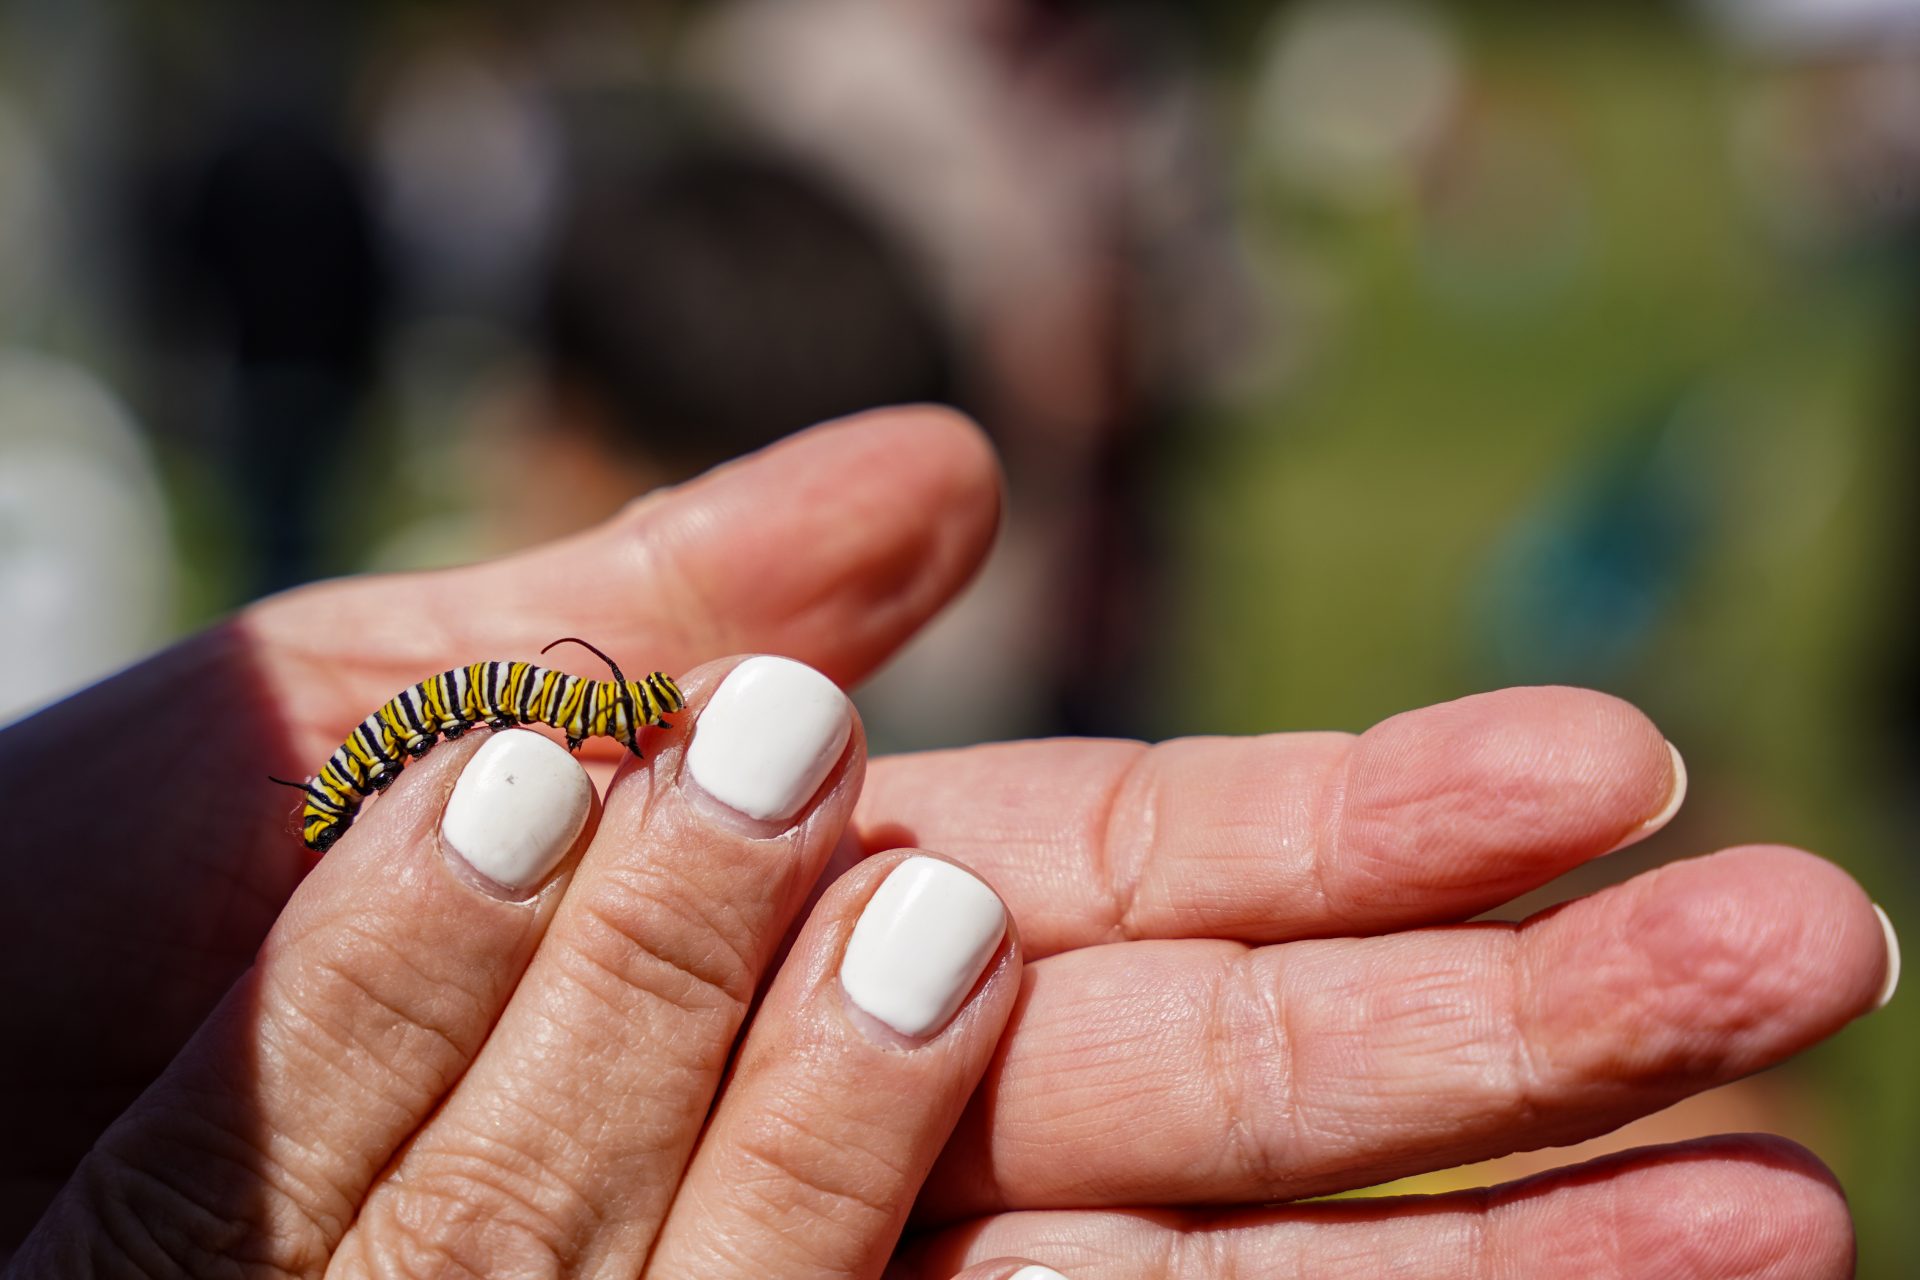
x=1181, y=1072
x=851, y=1078
x=373, y=993
x=831, y=547
x=562, y=1145
x=1433, y=815
x=1752, y=1207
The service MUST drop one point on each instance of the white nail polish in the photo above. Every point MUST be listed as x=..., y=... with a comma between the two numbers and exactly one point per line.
x=1036, y=1272
x=771, y=732
x=920, y=945
x=518, y=807
x=1892, y=984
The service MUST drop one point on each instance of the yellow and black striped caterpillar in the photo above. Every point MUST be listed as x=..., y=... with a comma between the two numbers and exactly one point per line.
x=496, y=694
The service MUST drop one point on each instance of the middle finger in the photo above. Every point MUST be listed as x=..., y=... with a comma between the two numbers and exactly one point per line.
x=563, y=1144
x=1437, y=814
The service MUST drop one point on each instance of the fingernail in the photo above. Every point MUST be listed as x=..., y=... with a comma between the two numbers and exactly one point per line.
x=1675, y=798
x=770, y=733
x=1036, y=1272
x=518, y=807
x=920, y=945
x=1892, y=983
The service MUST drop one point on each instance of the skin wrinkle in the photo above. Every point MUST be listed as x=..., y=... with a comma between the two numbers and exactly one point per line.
x=1524, y=1074
x=486, y=1182
x=435, y=1229
x=308, y=1033
x=1123, y=877
x=346, y=969
x=642, y=967
x=784, y=1173
x=1240, y=983
x=1329, y=819
x=1482, y=1255
x=209, y=1237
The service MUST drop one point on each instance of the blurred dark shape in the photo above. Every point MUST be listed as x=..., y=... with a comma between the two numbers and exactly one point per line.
x=280, y=247
x=712, y=298
x=1578, y=589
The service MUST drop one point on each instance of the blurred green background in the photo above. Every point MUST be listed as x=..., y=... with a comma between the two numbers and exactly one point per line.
x=1346, y=358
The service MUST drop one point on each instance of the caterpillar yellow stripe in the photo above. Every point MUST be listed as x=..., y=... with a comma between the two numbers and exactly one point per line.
x=496, y=694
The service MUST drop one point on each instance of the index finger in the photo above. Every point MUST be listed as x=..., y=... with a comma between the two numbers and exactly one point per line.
x=1433, y=815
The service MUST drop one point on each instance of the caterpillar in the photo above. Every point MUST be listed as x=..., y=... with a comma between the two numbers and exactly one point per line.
x=497, y=694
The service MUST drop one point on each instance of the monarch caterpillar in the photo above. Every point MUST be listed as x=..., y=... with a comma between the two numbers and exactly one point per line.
x=497, y=694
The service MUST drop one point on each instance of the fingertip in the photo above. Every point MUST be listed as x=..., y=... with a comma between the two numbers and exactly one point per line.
x=1698, y=1202
x=841, y=540
x=1676, y=796
x=1499, y=790
x=1796, y=901
x=944, y=461
x=1719, y=965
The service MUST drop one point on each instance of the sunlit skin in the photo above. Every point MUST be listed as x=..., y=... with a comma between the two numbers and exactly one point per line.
x=1245, y=973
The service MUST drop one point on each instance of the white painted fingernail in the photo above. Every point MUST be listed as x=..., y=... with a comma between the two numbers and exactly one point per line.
x=518, y=807
x=770, y=733
x=1036, y=1272
x=1675, y=798
x=920, y=945
x=1892, y=984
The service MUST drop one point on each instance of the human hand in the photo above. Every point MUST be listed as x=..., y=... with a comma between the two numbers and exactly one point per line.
x=145, y=909
x=1474, y=802
x=486, y=1034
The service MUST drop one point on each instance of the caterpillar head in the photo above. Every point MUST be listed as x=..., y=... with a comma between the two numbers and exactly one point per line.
x=655, y=697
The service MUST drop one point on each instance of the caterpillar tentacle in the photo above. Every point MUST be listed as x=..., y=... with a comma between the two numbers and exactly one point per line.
x=498, y=695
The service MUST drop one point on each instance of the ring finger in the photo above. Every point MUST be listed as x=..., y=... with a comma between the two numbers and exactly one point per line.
x=856, y=1067
x=1188, y=1071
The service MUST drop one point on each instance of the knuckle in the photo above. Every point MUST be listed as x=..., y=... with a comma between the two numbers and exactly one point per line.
x=1251, y=1069
x=646, y=931
x=1126, y=839
x=836, y=1178
x=482, y=1209
x=359, y=1007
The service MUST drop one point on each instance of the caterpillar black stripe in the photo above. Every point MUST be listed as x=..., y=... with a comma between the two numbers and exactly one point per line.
x=496, y=694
